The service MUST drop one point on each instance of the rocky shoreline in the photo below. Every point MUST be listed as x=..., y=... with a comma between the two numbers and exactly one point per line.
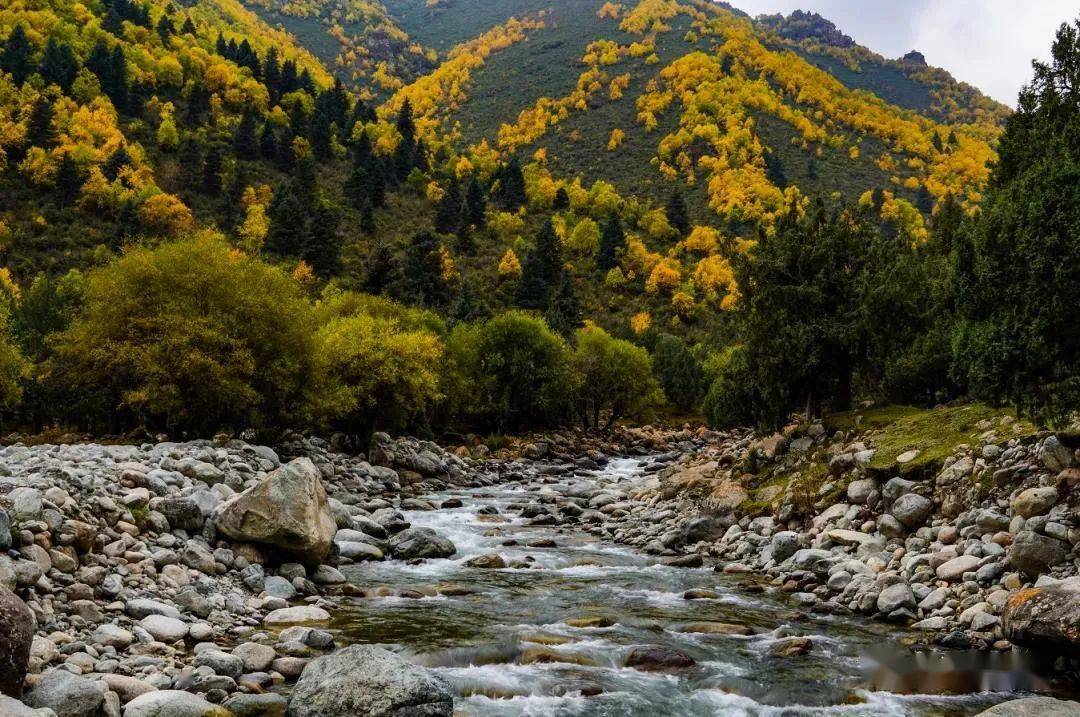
x=200, y=578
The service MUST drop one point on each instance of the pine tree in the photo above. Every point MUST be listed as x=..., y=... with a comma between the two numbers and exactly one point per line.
x=677, y=215
x=774, y=170
x=323, y=250
x=465, y=243
x=405, y=154
x=475, y=204
x=189, y=27
x=40, y=131
x=564, y=313
x=541, y=271
x=448, y=213
x=358, y=187
x=423, y=271
x=189, y=160
x=367, y=219
x=15, y=56
x=469, y=306
x=119, y=88
x=69, y=180
x=562, y=200
x=271, y=74
x=245, y=141
x=59, y=65
x=381, y=270
x=268, y=146
x=288, y=223
x=321, y=135
x=165, y=29
x=115, y=163
x=210, y=182
x=924, y=200
x=511, y=181
x=612, y=244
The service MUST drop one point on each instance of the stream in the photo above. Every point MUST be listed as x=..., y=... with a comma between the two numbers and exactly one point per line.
x=500, y=636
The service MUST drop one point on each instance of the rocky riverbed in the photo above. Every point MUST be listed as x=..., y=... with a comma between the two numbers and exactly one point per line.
x=223, y=578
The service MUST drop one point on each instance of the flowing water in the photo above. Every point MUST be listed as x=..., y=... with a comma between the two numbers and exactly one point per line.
x=506, y=649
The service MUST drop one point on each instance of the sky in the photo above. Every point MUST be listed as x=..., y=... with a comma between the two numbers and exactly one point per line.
x=986, y=43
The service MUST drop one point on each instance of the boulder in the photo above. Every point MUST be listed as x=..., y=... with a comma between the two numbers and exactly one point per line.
x=953, y=570
x=1055, y=456
x=1034, y=554
x=164, y=629
x=699, y=529
x=173, y=703
x=1034, y=707
x=912, y=509
x=658, y=659
x=370, y=681
x=784, y=544
x=11, y=707
x=297, y=616
x=17, y=626
x=895, y=597
x=288, y=510
x=182, y=513
x=66, y=694
x=1045, y=617
x=1035, y=501
x=488, y=560
x=413, y=543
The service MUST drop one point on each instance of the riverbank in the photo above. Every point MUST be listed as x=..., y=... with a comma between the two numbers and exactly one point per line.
x=205, y=577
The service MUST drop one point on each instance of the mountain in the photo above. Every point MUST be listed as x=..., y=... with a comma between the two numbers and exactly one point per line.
x=127, y=121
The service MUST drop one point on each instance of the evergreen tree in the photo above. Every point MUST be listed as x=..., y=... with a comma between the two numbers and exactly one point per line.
x=1018, y=270
x=189, y=27
x=541, y=271
x=405, y=154
x=245, y=141
x=423, y=271
x=475, y=204
x=677, y=215
x=448, y=213
x=271, y=74
x=924, y=200
x=469, y=307
x=165, y=29
x=564, y=312
x=938, y=146
x=117, y=87
x=774, y=170
x=115, y=163
x=465, y=243
x=190, y=161
x=812, y=169
x=268, y=146
x=288, y=222
x=358, y=187
x=367, y=219
x=381, y=270
x=69, y=180
x=612, y=244
x=562, y=200
x=15, y=56
x=40, y=131
x=210, y=182
x=321, y=135
x=323, y=250
x=59, y=66
x=511, y=181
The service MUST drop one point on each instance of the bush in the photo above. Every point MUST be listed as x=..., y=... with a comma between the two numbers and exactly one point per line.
x=679, y=372
x=191, y=335
x=517, y=369
x=615, y=377
x=731, y=400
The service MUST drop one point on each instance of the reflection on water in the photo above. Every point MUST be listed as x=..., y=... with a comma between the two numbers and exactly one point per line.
x=502, y=638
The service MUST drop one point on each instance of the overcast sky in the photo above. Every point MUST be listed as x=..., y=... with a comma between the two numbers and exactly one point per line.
x=987, y=43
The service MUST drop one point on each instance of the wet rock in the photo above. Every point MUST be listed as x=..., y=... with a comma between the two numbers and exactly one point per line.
x=370, y=681
x=592, y=621
x=1045, y=617
x=700, y=594
x=297, y=616
x=414, y=543
x=288, y=510
x=492, y=561
x=66, y=694
x=1034, y=707
x=693, y=560
x=16, y=635
x=716, y=628
x=267, y=705
x=791, y=647
x=658, y=659
x=1034, y=554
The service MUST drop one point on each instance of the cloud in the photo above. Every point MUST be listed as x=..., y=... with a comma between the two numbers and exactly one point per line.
x=987, y=43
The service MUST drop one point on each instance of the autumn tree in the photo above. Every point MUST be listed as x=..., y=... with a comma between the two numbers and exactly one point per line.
x=615, y=379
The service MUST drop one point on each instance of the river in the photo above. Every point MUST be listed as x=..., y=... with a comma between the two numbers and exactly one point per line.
x=505, y=646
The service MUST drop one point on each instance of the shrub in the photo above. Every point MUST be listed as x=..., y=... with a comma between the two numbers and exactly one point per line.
x=191, y=335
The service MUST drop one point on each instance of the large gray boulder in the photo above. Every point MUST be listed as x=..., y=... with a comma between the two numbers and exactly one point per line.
x=173, y=703
x=1034, y=707
x=369, y=681
x=1046, y=617
x=288, y=510
x=1034, y=554
x=11, y=707
x=420, y=543
x=912, y=509
x=16, y=633
x=66, y=694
